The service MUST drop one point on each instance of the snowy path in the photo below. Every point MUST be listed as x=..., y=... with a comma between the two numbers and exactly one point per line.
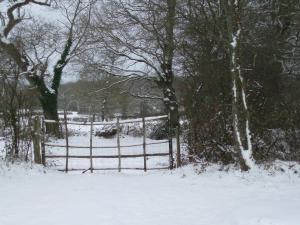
x=155, y=198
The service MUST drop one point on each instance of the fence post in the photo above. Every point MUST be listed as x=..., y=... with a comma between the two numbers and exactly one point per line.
x=178, y=152
x=67, y=141
x=170, y=142
x=36, y=140
x=118, y=143
x=91, y=143
x=144, y=144
x=43, y=142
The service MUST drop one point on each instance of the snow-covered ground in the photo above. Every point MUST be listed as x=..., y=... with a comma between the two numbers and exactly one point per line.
x=185, y=196
x=181, y=197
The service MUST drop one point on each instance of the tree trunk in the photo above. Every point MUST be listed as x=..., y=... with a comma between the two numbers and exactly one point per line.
x=170, y=98
x=49, y=104
x=171, y=104
x=240, y=112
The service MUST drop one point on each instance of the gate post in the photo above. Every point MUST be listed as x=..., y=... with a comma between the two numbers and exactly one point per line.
x=178, y=152
x=144, y=144
x=43, y=142
x=118, y=143
x=91, y=143
x=170, y=142
x=67, y=141
x=36, y=140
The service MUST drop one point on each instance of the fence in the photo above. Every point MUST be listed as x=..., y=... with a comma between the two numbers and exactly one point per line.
x=119, y=156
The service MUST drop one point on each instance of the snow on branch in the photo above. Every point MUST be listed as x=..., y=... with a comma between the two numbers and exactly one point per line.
x=15, y=18
x=147, y=97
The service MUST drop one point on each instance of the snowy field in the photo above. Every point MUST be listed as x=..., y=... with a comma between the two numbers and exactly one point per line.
x=181, y=197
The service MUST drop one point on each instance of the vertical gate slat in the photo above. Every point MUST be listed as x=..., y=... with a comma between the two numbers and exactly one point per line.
x=144, y=144
x=67, y=141
x=43, y=143
x=178, y=152
x=91, y=143
x=170, y=142
x=118, y=143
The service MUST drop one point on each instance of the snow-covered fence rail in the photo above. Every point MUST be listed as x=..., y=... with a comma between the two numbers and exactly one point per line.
x=111, y=122
x=145, y=153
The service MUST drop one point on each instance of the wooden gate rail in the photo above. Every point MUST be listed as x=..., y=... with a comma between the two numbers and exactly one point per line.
x=107, y=156
x=119, y=156
x=123, y=168
x=110, y=122
x=106, y=147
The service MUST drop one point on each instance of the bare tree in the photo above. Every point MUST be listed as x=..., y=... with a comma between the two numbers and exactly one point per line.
x=15, y=112
x=141, y=35
x=36, y=68
x=240, y=113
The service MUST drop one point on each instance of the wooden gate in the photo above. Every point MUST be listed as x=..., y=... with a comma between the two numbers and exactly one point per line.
x=90, y=150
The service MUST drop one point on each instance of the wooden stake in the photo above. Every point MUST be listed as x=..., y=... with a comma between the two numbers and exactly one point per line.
x=178, y=152
x=67, y=141
x=91, y=143
x=43, y=143
x=144, y=144
x=118, y=143
x=170, y=142
x=36, y=140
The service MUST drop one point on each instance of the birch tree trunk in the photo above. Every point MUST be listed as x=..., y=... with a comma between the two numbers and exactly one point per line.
x=240, y=111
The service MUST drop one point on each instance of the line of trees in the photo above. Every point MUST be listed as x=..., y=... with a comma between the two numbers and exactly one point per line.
x=241, y=63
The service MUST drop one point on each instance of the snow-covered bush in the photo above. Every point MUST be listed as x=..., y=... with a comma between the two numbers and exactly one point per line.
x=107, y=131
x=159, y=131
x=277, y=144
